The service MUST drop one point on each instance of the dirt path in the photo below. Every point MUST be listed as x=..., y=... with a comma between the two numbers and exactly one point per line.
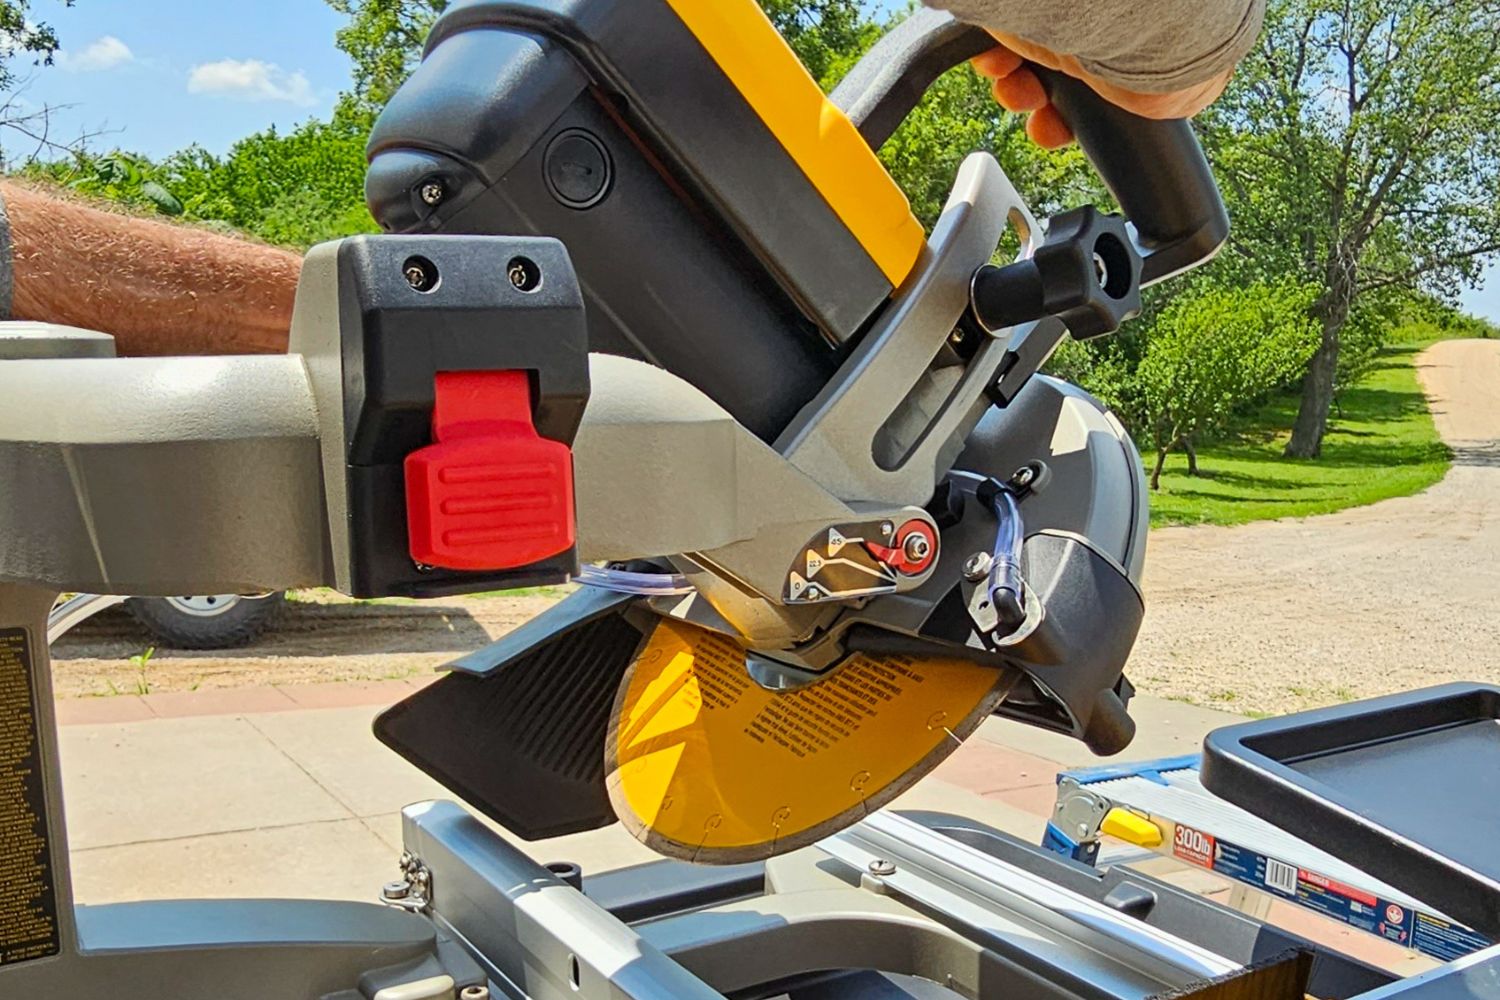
x=329, y=639
x=1280, y=615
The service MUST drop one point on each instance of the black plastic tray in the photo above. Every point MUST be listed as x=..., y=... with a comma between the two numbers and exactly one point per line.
x=1405, y=787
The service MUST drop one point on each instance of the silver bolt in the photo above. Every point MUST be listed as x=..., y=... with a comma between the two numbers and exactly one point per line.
x=881, y=868
x=422, y=567
x=956, y=338
x=887, y=528
x=1024, y=476
x=917, y=547
x=433, y=192
x=977, y=566
x=474, y=993
x=416, y=277
x=518, y=276
x=395, y=890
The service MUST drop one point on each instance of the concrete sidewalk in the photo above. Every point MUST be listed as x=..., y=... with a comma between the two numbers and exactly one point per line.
x=284, y=791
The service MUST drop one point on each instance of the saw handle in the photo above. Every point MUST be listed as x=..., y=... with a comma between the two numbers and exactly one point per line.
x=1155, y=169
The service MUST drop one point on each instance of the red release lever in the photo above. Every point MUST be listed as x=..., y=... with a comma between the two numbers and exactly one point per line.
x=491, y=493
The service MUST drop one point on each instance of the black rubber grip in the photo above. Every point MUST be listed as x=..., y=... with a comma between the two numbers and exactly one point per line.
x=1155, y=169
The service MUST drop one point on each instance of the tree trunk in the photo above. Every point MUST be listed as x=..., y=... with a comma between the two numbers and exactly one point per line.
x=1192, y=454
x=1332, y=309
x=1161, y=460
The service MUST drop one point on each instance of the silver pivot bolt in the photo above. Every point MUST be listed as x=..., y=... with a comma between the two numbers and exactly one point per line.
x=977, y=566
x=394, y=891
x=433, y=193
x=882, y=868
x=917, y=547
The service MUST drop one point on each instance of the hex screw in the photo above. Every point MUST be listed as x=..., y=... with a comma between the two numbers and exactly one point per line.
x=395, y=890
x=917, y=547
x=433, y=193
x=977, y=566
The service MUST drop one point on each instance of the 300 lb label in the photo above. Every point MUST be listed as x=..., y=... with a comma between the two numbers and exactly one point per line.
x=28, y=904
x=1193, y=845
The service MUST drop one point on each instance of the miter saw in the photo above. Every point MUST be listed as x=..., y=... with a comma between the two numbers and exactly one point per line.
x=830, y=515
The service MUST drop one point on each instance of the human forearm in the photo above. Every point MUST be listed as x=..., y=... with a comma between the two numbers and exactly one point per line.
x=158, y=288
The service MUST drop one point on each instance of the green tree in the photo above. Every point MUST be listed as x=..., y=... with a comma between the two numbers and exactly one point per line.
x=1208, y=354
x=22, y=37
x=1359, y=150
x=384, y=39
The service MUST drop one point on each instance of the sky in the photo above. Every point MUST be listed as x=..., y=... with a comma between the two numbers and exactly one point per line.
x=158, y=75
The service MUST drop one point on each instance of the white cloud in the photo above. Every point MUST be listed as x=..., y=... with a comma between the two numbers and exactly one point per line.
x=251, y=80
x=101, y=54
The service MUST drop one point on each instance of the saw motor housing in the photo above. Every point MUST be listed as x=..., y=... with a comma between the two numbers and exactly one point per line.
x=886, y=428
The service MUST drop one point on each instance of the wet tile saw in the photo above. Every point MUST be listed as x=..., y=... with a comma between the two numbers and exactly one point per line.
x=866, y=522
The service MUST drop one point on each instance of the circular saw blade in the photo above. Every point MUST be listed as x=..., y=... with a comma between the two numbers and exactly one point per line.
x=705, y=765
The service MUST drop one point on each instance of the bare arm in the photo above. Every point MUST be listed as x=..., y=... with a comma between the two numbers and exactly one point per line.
x=158, y=288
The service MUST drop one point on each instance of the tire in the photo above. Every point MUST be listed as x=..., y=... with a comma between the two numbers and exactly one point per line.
x=204, y=622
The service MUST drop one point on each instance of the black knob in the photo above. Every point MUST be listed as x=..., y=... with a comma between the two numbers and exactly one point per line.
x=1087, y=274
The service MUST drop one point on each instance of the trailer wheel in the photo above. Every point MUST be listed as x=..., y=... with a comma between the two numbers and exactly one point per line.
x=210, y=621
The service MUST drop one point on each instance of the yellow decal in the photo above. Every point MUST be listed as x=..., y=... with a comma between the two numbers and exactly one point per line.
x=815, y=133
x=707, y=765
x=1132, y=828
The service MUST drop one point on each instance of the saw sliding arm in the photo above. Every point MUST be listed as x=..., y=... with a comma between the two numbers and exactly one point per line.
x=845, y=518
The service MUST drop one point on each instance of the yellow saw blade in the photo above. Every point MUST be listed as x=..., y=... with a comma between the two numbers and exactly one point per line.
x=705, y=765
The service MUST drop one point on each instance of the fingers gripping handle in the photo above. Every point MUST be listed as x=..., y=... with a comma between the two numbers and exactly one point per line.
x=1156, y=171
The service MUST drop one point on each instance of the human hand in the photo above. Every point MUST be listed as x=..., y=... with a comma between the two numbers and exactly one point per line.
x=1018, y=89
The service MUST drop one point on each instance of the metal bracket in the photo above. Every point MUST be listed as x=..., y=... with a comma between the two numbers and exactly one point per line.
x=892, y=421
x=413, y=890
x=1074, y=827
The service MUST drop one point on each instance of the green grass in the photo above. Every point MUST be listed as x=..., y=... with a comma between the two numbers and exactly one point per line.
x=1381, y=443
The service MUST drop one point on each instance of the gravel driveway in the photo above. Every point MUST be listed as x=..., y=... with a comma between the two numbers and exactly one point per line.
x=1281, y=615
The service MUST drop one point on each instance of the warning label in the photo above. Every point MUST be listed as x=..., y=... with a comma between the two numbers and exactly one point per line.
x=1428, y=933
x=817, y=717
x=28, y=906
